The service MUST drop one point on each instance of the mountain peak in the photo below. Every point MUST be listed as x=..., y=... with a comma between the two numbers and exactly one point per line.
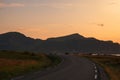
x=77, y=35
x=68, y=37
x=18, y=33
x=15, y=34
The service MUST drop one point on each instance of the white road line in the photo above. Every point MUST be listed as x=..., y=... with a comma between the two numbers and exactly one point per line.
x=96, y=76
x=96, y=71
x=95, y=67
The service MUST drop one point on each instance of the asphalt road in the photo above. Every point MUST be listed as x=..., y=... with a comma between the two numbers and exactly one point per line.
x=71, y=68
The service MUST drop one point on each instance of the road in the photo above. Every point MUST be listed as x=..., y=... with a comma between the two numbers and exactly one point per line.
x=71, y=68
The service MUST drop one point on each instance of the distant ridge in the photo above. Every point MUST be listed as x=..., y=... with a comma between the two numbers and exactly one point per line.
x=68, y=37
x=18, y=34
x=74, y=43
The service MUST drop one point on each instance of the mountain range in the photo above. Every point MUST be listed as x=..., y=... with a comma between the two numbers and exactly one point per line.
x=74, y=43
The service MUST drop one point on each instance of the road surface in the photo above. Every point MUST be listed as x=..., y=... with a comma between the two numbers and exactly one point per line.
x=71, y=68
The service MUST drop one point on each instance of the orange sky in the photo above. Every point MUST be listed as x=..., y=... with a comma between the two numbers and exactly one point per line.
x=44, y=18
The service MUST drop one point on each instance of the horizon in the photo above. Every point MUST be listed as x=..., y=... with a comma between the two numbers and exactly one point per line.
x=45, y=19
x=59, y=36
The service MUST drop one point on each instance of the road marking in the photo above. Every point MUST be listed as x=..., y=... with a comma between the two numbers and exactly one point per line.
x=96, y=76
x=96, y=71
x=95, y=67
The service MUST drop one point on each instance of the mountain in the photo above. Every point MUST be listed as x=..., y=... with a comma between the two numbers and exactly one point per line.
x=17, y=41
x=74, y=43
x=75, y=36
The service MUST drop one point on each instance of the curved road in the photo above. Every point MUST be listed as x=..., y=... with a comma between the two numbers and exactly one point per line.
x=72, y=68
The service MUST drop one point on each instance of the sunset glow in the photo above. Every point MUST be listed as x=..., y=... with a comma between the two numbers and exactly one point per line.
x=51, y=18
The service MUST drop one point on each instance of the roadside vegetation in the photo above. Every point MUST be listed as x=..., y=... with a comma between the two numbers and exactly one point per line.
x=111, y=64
x=18, y=63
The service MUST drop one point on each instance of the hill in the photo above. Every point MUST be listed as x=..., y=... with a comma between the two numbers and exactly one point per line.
x=74, y=43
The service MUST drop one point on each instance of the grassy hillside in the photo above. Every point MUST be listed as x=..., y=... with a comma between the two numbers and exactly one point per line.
x=110, y=63
x=16, y=63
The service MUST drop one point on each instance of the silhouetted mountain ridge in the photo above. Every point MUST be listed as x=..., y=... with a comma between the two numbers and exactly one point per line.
x=68, y=37
x=74, y=43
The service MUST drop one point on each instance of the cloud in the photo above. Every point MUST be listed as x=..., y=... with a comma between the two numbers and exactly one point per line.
x=113, y=3
x=54, y=5
x=4, y=5
x=98, y=24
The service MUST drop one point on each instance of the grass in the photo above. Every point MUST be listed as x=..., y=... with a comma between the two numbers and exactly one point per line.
x=55, y=59
x=111, y=64
x=18, y=63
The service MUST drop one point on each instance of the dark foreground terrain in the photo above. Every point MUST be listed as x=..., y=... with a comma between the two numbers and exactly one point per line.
x=111, y=64
x=18, y=63
x=71, y=68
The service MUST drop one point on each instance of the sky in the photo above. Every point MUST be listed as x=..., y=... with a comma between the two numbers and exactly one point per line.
x=51, y=18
